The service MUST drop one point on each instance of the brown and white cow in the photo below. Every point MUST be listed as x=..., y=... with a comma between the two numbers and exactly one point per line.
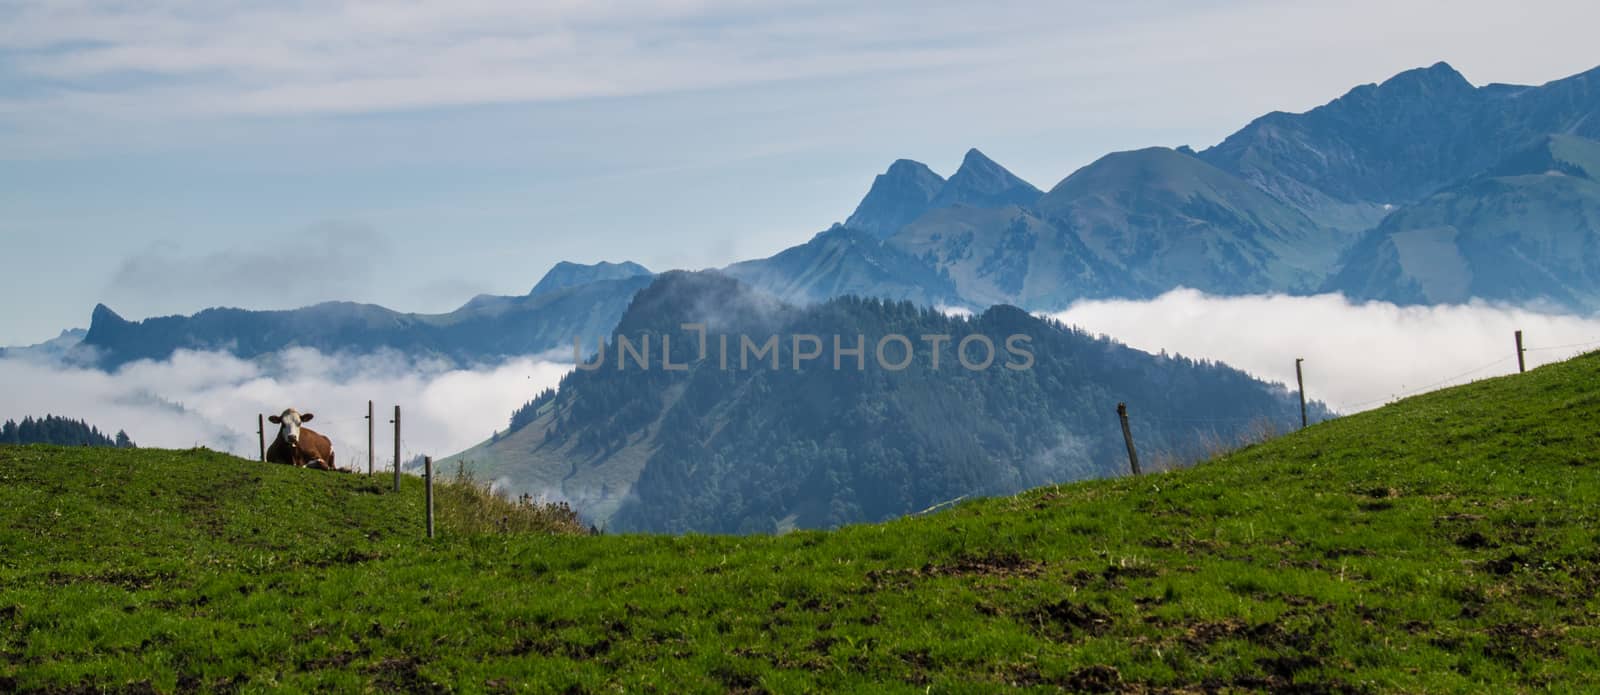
x=299, y=446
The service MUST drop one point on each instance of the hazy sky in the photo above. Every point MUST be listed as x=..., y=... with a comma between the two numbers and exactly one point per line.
x=165, y=156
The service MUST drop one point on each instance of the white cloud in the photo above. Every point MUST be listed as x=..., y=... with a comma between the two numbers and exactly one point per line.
x=212, y=399
x=1357, y=356
x=164, y=57
x=274, y=272
x=327, y=57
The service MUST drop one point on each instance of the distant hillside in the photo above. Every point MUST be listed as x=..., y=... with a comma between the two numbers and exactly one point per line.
x=1526, y=231
x=1395, y=143
x=52, y=429
x=55, y=349
x=1009, y=255
x=844, y=261
x=484, y=329
x=566, y=274
x=1445, y=543
x=1167, y=219
x=753, y=448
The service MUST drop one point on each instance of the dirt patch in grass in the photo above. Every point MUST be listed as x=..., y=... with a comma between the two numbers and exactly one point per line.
x=921, y=662
x=1114, y=574
x=1457, y=518
x=126, y=579
x=1199, y=636
x=993, y=564
x=1095, y=679
x=402, y=675
x=347, y=556
x=1065, y=619
x=1518, y=643
x=1282, y=668
x=1202, y=635
x=737, y=680
x=1507, y=564
x=549, y=645
x=1001, y=565
x=1475, y=541
x=786, y=661
x=338, y=660
x=1278, y=684
x=1336, y=553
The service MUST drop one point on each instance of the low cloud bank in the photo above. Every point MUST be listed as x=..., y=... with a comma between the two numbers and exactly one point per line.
x=1357, y=356
x=211, y=399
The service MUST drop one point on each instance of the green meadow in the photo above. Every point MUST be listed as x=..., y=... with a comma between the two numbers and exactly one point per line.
x=1449, y=542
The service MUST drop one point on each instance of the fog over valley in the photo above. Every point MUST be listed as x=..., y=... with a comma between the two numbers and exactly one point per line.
x=211, y=399
x=1357, y=355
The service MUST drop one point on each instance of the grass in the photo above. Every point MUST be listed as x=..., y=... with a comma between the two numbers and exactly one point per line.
x=463, y=504
x=1446, y=543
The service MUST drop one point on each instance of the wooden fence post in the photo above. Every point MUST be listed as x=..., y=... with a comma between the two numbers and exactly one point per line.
x=1521, y=366
x=371, y=455
x=261, y=435
x=427, y=473
x=397, y=448
x=1300, y=379
x=1127, y=435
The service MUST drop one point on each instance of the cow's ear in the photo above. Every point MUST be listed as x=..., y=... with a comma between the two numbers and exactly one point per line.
x=306, y=417
x=275, y=420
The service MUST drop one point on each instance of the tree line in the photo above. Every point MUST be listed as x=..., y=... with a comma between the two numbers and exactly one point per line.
x=52, y=429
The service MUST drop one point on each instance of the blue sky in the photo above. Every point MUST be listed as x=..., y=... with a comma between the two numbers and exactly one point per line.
x=163, y=156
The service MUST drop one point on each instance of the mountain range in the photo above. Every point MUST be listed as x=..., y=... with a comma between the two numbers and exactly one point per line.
x=571, y=302
x=1293, y=203
x=1421, y=189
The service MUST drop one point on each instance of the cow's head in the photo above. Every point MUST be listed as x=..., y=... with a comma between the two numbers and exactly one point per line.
x=289, y=425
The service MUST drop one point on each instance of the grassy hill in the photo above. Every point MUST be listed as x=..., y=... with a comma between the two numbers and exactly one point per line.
x=1449, y=542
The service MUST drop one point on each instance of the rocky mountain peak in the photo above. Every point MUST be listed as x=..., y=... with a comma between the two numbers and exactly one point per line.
x=981, y=182
x=898, y=196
